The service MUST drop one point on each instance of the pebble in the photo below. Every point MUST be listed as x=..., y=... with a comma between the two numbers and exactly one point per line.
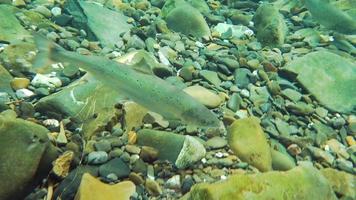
x=132, y=149
x=149, y=154
x=56, y=11
x=97, y=157
x=174, y=182
x=19, y=83
x=24, y=93
x=204, y=96
x=187, y=183
x=153, y=187
x=44, y=80
x=216, y=143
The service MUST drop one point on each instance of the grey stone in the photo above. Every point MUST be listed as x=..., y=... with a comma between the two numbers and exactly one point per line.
x=97, y=157
x=115, y=166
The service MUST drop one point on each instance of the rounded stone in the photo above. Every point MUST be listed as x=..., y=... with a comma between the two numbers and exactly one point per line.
x=204, y=96
x=19, y=83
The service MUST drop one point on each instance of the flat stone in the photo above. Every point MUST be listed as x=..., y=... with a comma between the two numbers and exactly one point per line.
x=242, y=77
x=26, y=155
x=248, y=141
x=116, y=166
x=216, y=143
x=292, y=94
x=304, y=182
x=96, y=20
x=93, y=189
x=204, y=96
x=328, y=77
x=210, y=76
x=70, y=184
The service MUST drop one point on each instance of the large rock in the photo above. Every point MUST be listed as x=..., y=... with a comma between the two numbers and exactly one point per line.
x=303, y=182
x=329, y=78
x=342, y=183
x=248, y=141
x=87, y=101
x=93, y=189
x=331, y=17
x=67, y=189
x=102, y=23
x=10, y=27
x=26, y=155
x=187, y=20
x=270, y=25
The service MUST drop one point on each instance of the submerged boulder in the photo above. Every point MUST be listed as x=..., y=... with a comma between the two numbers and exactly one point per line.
x=303, y=182
x=26, y=155
x=328, y=77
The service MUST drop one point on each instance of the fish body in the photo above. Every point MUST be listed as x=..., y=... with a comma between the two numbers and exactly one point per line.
x=147, y=90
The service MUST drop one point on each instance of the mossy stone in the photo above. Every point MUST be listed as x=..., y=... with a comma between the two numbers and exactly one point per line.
x=248, y=141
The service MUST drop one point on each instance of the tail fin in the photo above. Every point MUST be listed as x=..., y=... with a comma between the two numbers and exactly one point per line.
x=45, y=50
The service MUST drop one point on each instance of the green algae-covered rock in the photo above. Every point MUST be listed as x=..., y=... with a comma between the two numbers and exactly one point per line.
x=328, y=77
x=303, y=182
x=248, y=141
x=10, y=27
x=331, y=17
x=26, y=155
x=270, y=25
x=281, y=161
x=187, y=20
x=342, y=183
x=87, y=101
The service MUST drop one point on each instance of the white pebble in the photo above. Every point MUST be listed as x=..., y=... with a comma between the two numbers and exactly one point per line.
x=174, y=182
x=24, y=93
x=43, y=80
x=51, y=122
x=245, y=93
x=56, y=11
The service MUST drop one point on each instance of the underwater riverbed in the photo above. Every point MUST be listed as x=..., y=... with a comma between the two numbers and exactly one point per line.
x=177, y=99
